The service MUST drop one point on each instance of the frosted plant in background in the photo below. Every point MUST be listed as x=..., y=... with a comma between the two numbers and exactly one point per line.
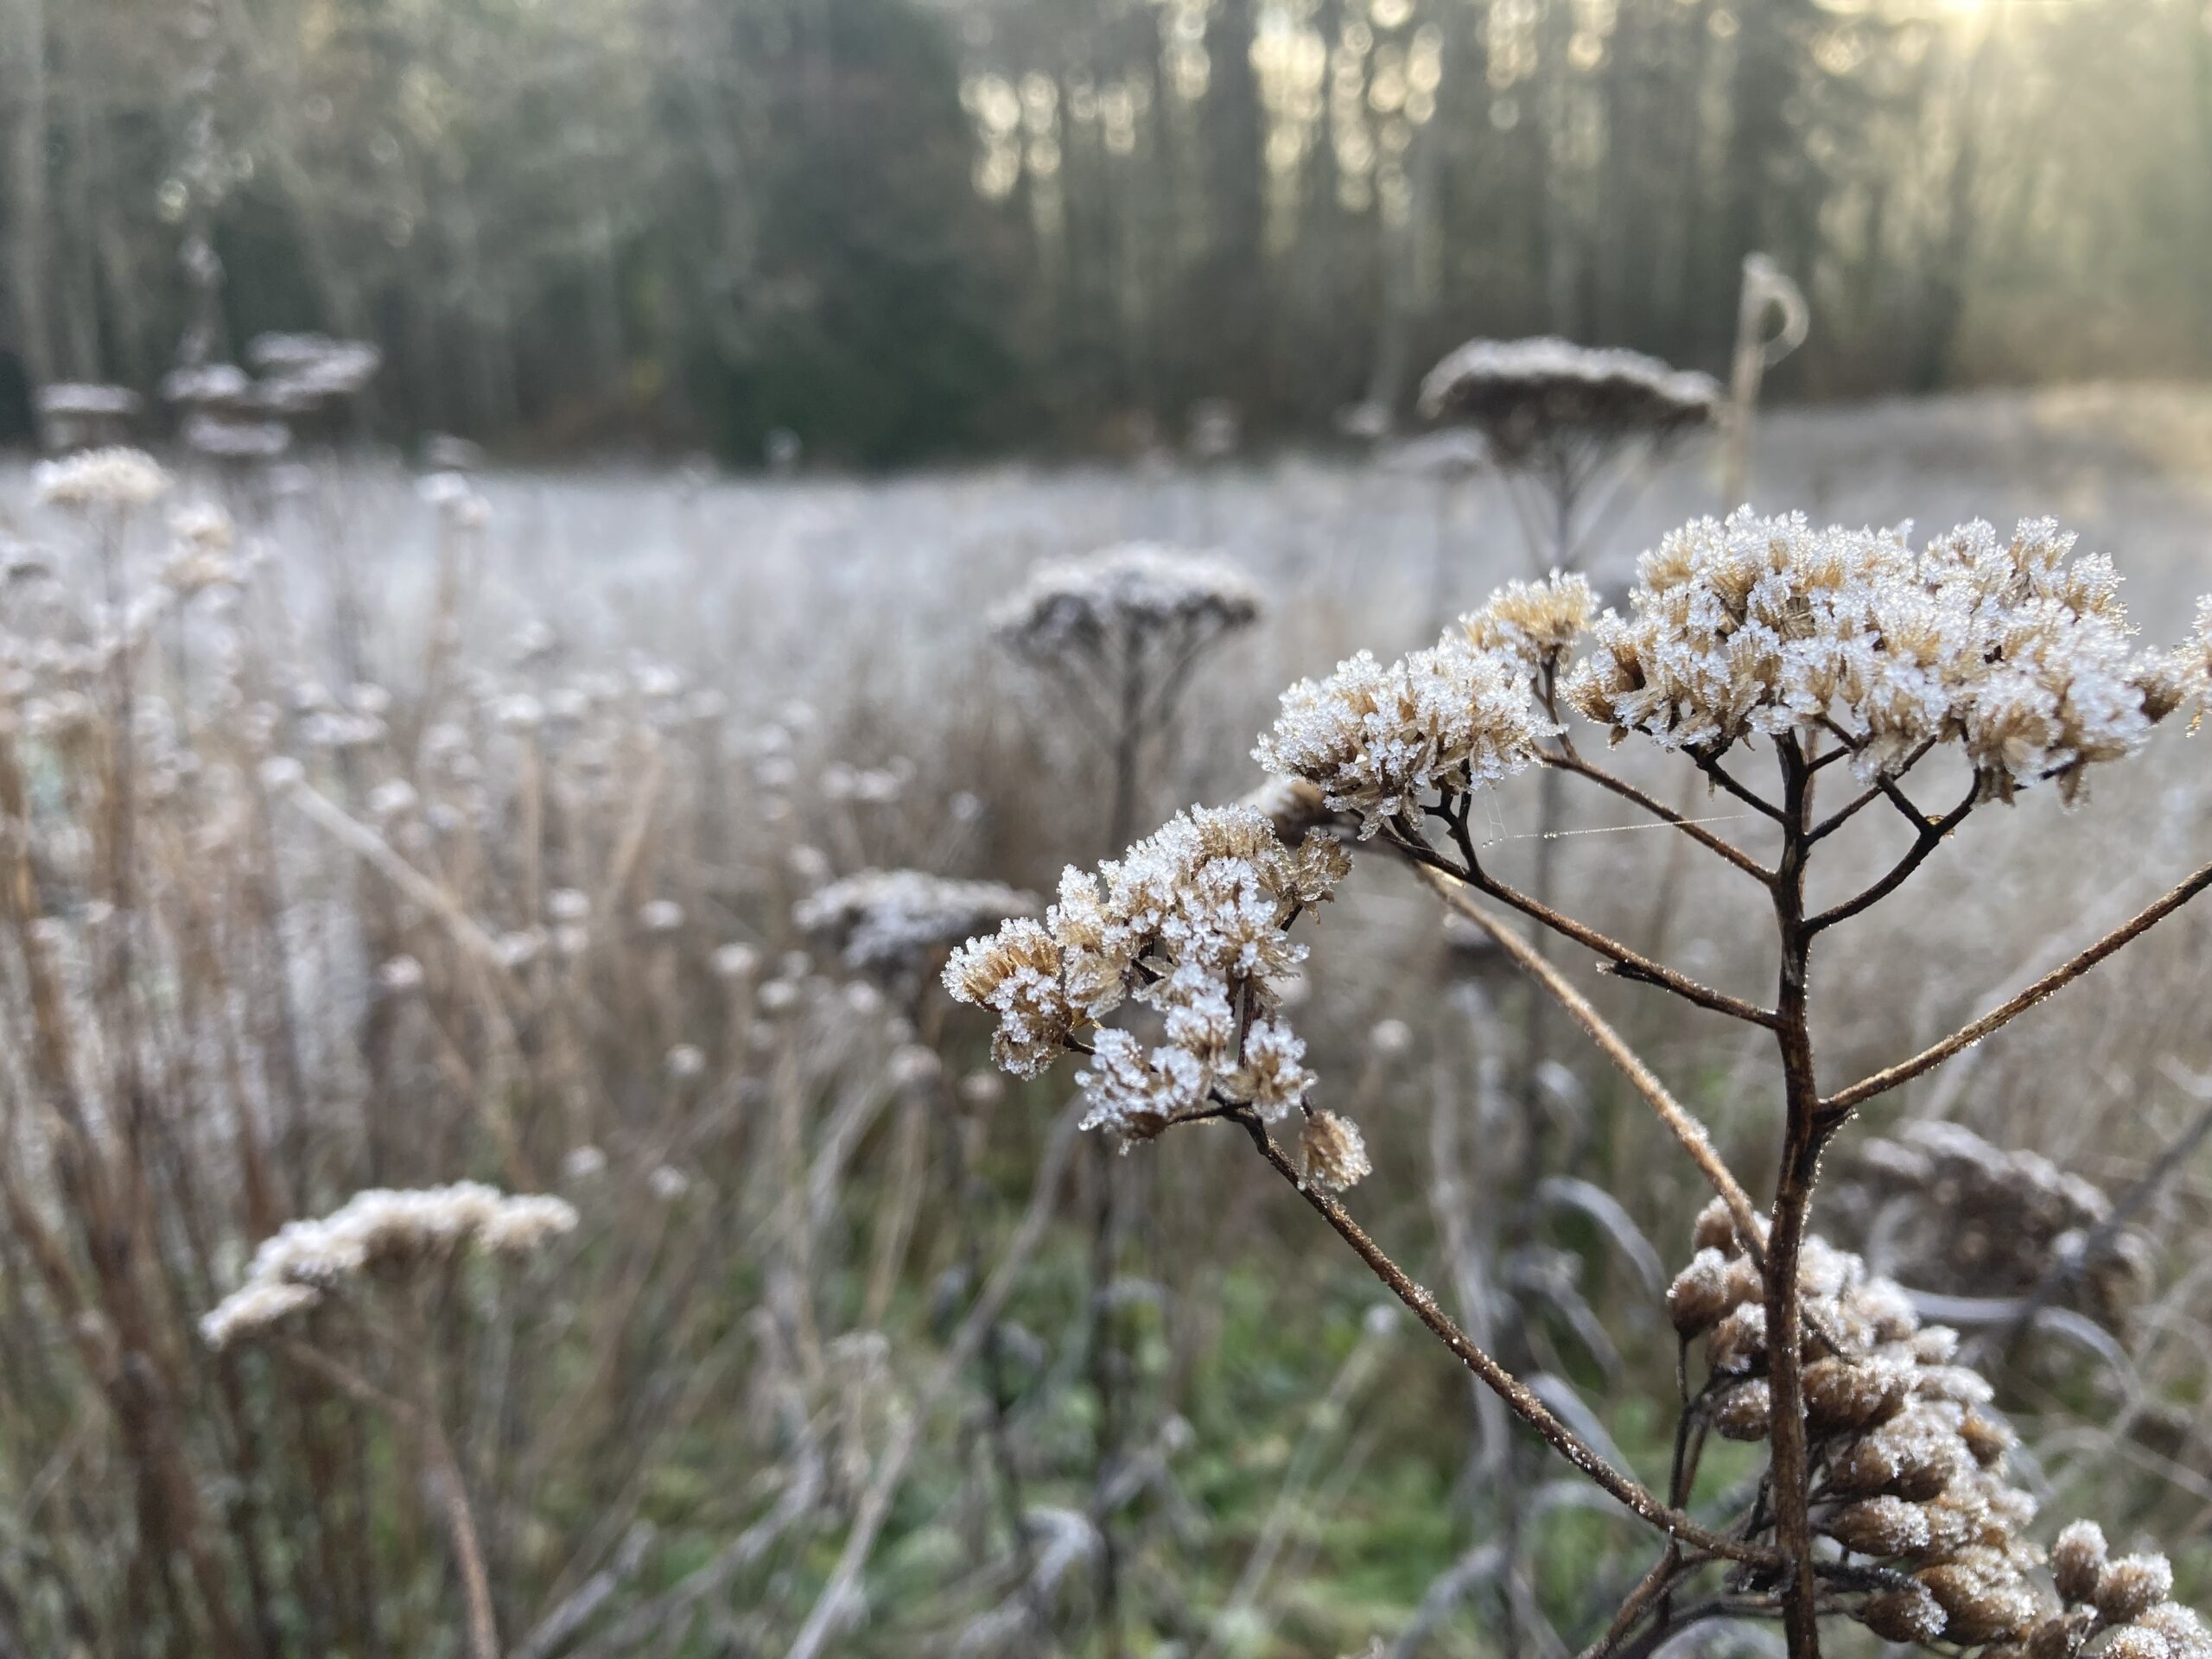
x=377, y=1230
x=889, y=923
x=1569, y=427
x=114, y=480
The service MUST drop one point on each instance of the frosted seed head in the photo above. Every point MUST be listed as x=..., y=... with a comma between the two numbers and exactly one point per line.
x=1910, y=1616
x=2184, y=1633
x=1332, y=1152
x=1883, y=1527
x=2137, y=1641
x=1699, y=1298
x=2131, y=1586
x=1738, y=1342
x=1745, y=1412
x=888, y=922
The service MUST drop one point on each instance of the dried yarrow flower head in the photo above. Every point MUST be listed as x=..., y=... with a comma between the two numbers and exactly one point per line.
x=1191, y=924
x=1910, y=1459
x=1520, y=392
x=891, y=922
x=1376, y=740
x=2016, y=650
x=116, y=479
x=376, y=1230
x=1535, y=621
x=78, y=415
x=1122, y=596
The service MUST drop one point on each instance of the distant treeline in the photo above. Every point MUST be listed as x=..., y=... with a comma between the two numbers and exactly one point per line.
x=900, y=228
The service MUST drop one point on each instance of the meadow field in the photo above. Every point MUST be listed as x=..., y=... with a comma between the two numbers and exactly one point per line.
x=412, y=832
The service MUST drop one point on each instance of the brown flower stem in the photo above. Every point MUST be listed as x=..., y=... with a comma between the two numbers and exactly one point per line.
x=1804, y=1134
x=1933, y=832
x=1840, y=1105
x=1721, y=778
x=1648, y=1592
x=1566, y=760
x=1679, y=1122
x=1631, y=1493
x=1630, y=964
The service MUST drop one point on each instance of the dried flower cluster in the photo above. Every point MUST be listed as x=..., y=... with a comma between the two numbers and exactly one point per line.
x=890, y=922
x=1191, y=922
x=1977, y=1220
x=1909, y=1456
x=1375, y=740
x=1084, y=604
x=2014, y=650
x=118, y=479
x=380, y=1228
x=1519, y=392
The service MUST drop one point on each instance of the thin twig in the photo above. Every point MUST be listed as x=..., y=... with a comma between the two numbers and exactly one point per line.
x=1679, y=1122
x=1566, y=760
x=1629, y=1492
x=1842, y=1102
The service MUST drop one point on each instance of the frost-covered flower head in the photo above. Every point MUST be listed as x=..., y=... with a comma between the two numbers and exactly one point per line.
x=379, y=1229
x=1125, y=593
x=1518, y=393
x=118, y=479
x=1912, y=1459
x=1190, y=924
x=888, y=922
x=2015, y=650
x=1375, y=739
x=1536, y=621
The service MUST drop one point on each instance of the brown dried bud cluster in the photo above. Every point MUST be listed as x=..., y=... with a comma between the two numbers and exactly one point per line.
x=1972, y=1219
x=1909, y=1460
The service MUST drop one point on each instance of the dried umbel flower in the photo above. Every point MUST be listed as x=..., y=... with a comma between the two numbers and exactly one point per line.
x=1518, y=393
x=1333, y=1151
x=117, y=480
x=1376, y=740
x=376, y=1230
x=1966, y=1216
x=1086, y=605
x=890, y=922
x=2014, y=650
x=1536, y=621
x=1910, y=1616
x=1191, y=922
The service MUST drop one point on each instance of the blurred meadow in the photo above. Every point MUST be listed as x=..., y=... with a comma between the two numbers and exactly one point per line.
x=534, y=635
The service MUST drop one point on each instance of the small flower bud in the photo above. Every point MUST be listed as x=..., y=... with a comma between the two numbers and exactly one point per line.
x=1910, y=1615
x=2132, y=1586
x=1738, y=1342
x=1988, y=1438
x=2137, y=1641
x=2186, y=1636
x=1846, y=1393
x=1879, y=1526
x=2077, y=1561
x=1743, y=1413
x=1698, y=1299
x=1982, y=1603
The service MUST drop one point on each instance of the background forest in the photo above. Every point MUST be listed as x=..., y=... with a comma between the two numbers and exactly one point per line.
x=900, y=229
